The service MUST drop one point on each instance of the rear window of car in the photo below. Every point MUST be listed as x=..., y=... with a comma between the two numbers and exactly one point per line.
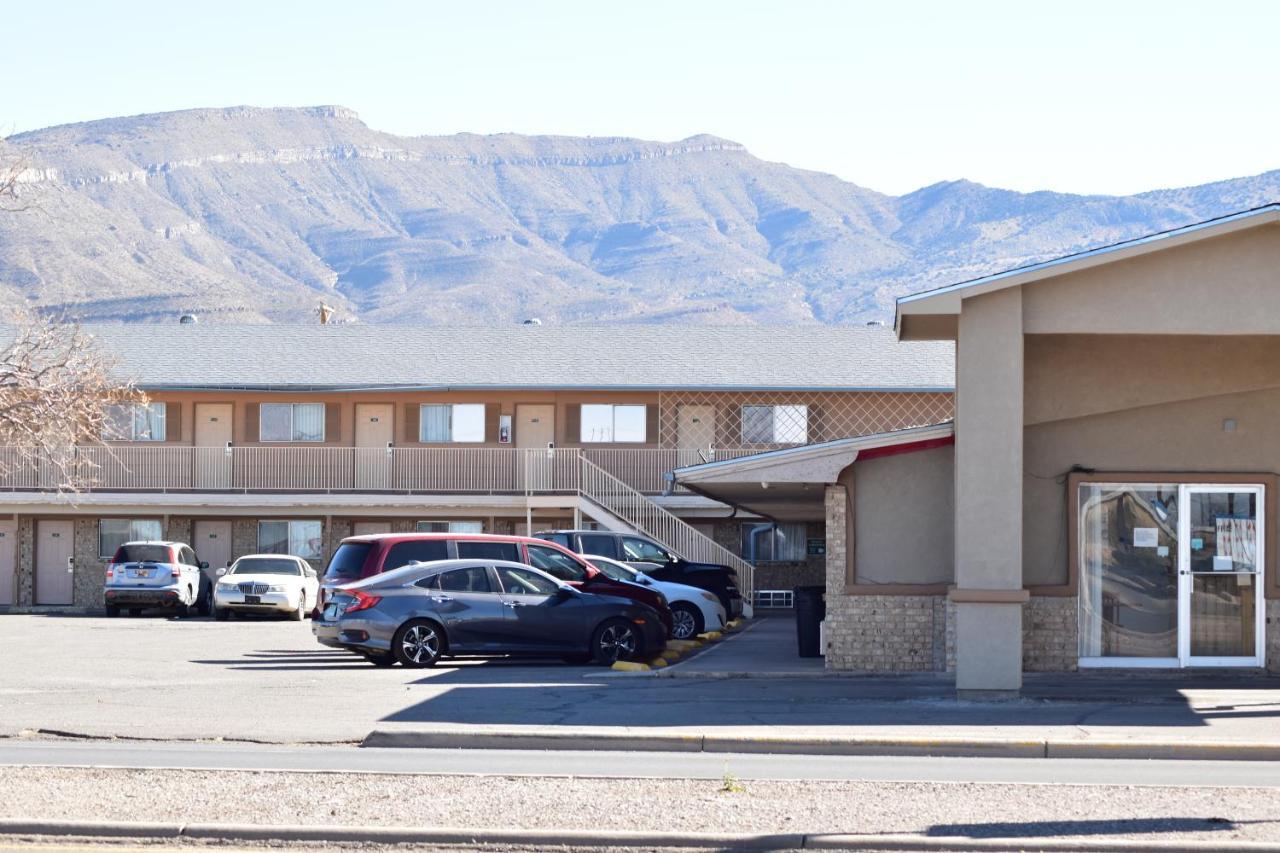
x=561, y=539
x=489, y=551
x=556, y=563
x=143, y=554
x=348, y=560
x=404, y=553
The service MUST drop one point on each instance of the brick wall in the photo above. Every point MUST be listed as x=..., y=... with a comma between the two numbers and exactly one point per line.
x=1050, y=634
x=786, y=575
x=1273, y=635
x=26, y=561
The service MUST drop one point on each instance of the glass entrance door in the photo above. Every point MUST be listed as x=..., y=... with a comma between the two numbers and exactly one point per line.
x=1220, y=595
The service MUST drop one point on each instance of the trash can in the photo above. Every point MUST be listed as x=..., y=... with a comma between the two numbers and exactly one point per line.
x=810, y=611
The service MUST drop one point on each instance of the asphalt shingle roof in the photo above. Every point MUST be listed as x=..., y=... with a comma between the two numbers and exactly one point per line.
x=622, y=357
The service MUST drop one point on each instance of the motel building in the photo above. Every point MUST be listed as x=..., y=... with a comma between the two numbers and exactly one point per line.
x=1106, y=495
x=285, y=439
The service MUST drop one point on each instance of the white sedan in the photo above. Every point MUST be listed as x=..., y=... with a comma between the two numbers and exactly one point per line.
x=266, y=583
x=693, y=610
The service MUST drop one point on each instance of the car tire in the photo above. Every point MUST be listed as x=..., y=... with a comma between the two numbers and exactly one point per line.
x=204, y=604
x=615, y=640
x=686, y=621
x=301, y=613
x=418, y=643
x=380, y=661
x=222, y=614
x=135, y=611
x=113, y=610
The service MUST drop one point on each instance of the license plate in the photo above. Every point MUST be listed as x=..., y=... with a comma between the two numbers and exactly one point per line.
x=252, y=599
x=140, y=573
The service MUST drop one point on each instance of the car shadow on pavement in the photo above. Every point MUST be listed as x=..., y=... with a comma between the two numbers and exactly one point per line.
x=1066, y=828
x=289, y=659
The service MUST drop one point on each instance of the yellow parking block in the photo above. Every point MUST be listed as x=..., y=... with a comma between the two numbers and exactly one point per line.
x=734, y=623
x=710, y=635
x=630, y=666
x=671, y=654
x=683, y=645
x=658, y=663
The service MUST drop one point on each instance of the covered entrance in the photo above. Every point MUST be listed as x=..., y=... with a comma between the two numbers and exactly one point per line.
x=1172, y=574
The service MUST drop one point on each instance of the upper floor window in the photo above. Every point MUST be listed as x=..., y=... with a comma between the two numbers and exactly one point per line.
x=300, y=538
x=135, y=422
x=775, y=424
x=291, y=422
x=607, y=423
x=449, y=527
x=451, y=422
x=114, y=532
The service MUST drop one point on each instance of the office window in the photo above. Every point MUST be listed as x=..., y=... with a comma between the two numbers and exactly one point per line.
x=606, y=423
x=300, y=538
x=291, y=422
x=135, y=422
x=449, y=527
x=458, y=422
x=775, y=424
x=114, y=532
x=773, y=543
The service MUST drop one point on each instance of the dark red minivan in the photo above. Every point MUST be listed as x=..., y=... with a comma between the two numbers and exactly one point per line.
x=360, y=557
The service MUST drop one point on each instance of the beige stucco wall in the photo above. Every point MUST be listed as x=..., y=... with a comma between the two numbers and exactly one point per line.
x=1223, y=285
x=1171, y=438
x=904, y=517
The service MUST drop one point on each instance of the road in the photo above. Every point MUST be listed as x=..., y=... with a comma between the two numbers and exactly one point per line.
x=655, y=765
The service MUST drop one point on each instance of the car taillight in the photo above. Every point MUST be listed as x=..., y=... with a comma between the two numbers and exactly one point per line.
x=363, y=601
x=177, y=573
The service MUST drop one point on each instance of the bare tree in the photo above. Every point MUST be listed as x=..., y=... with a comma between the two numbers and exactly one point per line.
x=12, y=167
x=57, y=390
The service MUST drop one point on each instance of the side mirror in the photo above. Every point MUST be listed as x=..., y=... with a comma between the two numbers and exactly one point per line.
x=222, y=571
x=565, y=593
x=204, y=565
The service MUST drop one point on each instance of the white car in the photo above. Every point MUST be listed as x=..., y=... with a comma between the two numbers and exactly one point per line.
x=693, y=610
x=266, y=583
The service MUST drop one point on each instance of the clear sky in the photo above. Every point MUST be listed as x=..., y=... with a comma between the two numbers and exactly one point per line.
x=1081, y=96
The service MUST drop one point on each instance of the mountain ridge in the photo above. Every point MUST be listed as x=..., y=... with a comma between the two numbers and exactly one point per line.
x=255, y=214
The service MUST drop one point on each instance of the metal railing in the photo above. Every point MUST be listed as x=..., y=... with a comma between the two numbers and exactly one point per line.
x=408, y=470
x=637, y=511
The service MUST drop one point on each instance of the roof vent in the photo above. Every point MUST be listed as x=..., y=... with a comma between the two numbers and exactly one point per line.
x=532, y=321
x=188, y=320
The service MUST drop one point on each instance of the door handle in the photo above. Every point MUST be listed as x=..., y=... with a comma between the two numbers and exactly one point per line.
x=514, y=603
x=442, y=599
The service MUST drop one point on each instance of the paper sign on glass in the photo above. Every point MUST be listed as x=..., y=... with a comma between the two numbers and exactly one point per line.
x=1223, y=564
x=1162, y=551
x=1146, y=537
x=1197, y=544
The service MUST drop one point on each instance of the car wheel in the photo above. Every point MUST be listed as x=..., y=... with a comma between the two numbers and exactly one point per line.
x=204, y=604
x=301, y=613
x=613, y=641
x=222, y=614
x=686, y=621
x=135, y=611
x=380, y=661
x=418, y=643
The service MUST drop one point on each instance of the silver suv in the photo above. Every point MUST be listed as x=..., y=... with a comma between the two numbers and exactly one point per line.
x=156, y=574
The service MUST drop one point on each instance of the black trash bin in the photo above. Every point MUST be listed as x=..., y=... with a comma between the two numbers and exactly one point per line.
x=811, y=609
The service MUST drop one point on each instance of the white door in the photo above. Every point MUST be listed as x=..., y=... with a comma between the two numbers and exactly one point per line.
x=375, y=431
x=8, y=561
x=213, y=437
x=696, y=427
x=1221, y=617
x=535, y=437
x=212, y=544
x=54, y=568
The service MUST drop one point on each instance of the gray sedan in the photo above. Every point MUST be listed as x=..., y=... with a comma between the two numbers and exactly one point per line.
x=424, y=611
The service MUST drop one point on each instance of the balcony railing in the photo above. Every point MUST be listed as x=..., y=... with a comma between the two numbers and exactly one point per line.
x=400, y=470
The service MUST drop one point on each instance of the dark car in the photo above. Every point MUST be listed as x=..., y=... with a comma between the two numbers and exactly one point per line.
x=654, y=560
x=361, y=557
x=425, y=611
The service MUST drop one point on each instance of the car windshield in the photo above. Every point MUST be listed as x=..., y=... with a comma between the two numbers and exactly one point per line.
x=265, y=566
x=143, y=554
x=348, y=560
x=612, y=569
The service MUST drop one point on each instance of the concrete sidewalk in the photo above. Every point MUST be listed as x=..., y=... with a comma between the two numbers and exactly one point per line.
x=763, y=647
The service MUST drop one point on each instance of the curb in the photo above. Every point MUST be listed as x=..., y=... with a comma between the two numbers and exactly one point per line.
x=836, y=745
x=486, y=837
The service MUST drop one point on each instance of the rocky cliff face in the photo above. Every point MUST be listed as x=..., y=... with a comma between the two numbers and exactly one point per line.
x=257, y=214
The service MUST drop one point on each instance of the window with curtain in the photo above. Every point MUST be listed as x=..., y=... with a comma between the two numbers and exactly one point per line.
x=774, y=543
x=451, y=422
x=135, y=422
x=299, y=538
x=449, y=527
x=775, y=424
x=114, y=532
x=291, y=422
x=604, y=423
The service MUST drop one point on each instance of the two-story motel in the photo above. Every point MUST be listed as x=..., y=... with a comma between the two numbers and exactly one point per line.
x=1106, y=497
x=288, y=438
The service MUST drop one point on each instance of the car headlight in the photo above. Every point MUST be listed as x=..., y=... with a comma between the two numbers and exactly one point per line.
x=275, y=587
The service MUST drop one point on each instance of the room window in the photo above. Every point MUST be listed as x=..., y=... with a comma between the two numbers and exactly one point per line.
x=451, y=422
x=135, y=422
x=300, y=538
x=773, y=543
x=114, y=532
x=291, y=422
x=606, y=423
x=449, y=527
x=775, y=424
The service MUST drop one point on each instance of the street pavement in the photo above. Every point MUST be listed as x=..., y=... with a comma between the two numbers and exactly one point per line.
x=268, y=681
